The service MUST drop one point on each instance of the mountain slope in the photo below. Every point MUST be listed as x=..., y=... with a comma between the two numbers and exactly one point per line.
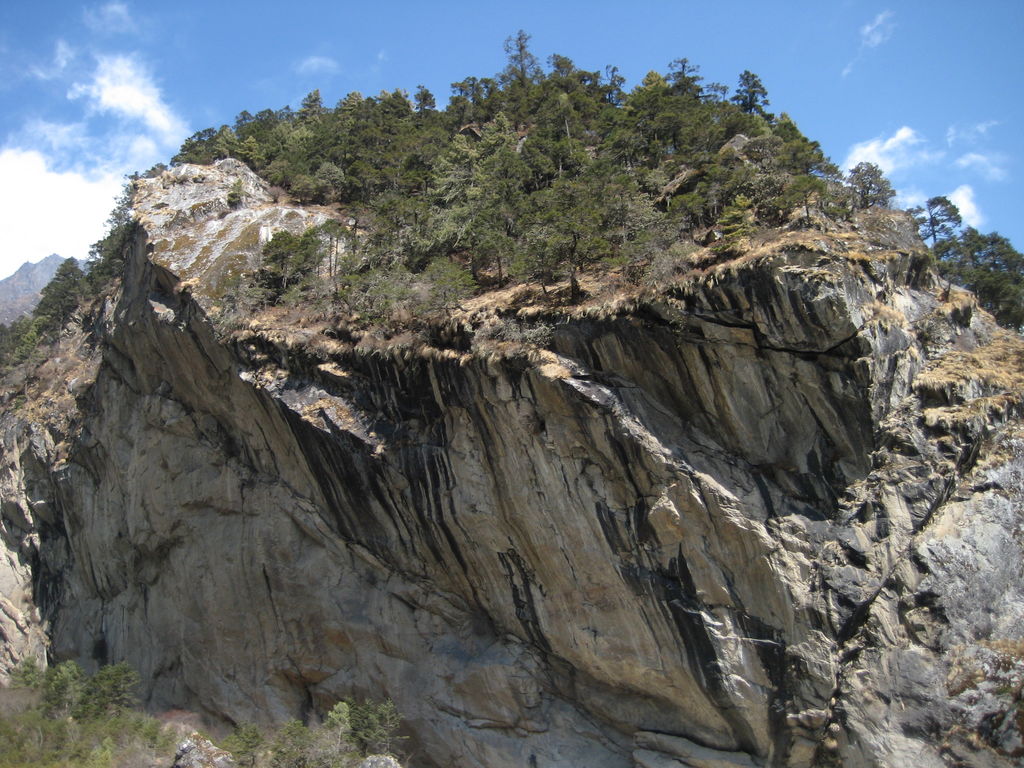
x=19, y=293
x=748, y=517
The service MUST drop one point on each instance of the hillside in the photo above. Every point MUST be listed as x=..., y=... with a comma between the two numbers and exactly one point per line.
x=589, y=428
x=19, y=293
x=748, y=515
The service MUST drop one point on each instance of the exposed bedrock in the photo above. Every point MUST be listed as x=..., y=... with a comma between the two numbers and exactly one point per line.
x=690, y=534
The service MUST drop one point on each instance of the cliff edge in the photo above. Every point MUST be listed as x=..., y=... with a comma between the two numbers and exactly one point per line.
x=765, y=514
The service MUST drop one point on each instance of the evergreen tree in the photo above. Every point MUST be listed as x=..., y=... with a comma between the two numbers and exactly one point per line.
x=519, y=78
x=107, y=256
x=287, y=261
x=312, y=107
x=60, y=297
x=424, y=100
x=869, y=186
x=684, y=79
x=802, y=190
x=938, y=220
x=447, y=285
x=479, y=192
x=736, y=225
x=567, y=228
x=992, y=268
x=751, y=96
x=197, y=148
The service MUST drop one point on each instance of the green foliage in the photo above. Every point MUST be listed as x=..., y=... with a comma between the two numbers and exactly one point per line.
x=80, y=721
x=288, y=261
x=28, y=674
x=197, y=148
x=245, y=743
x=802, y=191
x=751, y=96
x=235, y=194
x=536, y=173
x=101, y=756
x=373, y=725
x=937, y=220
x=62, y=689
x=448, y=284
x=110, y=690
x=60, y=297
x=869, y=185
x=349, y=732
x=479, y=193
x=736, y=225
x=292, y=746
x=989, y=266
x=107, y=256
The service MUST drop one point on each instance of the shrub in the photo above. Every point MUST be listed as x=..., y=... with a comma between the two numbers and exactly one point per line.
x=62, y=689
x=291, y=746
x=373, y=725
x=245, y=743
x=28, y=674
x=109, y=691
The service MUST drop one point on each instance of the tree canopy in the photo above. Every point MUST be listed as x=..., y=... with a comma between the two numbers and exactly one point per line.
x=535, y=173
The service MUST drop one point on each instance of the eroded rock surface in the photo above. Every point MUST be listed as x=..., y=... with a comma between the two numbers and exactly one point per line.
x=750, y=520
x=208, y=223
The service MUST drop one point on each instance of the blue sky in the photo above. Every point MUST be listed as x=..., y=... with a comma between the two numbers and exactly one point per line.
x=929, y=90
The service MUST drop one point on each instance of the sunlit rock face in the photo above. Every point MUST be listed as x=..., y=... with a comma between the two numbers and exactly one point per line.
x=208, y=223
x=761, y=517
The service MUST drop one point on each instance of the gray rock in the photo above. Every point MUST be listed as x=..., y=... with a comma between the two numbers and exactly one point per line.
x=379, y=761
x=197, y=752
x=729, y=527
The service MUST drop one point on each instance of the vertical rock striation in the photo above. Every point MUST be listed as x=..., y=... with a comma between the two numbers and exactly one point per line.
x=748, y=520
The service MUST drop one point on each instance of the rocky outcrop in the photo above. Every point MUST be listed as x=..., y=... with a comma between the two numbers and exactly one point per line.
x=208, y=224
x=749, y=519
x=198, y=752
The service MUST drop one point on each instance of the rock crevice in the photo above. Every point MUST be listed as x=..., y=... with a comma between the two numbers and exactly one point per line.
x=712, y=530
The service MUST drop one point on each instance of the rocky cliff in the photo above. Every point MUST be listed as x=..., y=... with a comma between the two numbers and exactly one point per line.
x=768, y=514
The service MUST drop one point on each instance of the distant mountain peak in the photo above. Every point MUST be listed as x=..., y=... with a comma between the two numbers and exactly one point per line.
x=19, y=293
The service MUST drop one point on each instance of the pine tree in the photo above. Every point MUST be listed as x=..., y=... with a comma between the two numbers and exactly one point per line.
x=751, y=96
x=938, y=220
x=989, y=266
x=870, y=187
x=736, y=225
x=60, y=297
x=424, y=99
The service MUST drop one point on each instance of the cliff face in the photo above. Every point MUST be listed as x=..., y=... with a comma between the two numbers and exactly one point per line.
x=768, y=515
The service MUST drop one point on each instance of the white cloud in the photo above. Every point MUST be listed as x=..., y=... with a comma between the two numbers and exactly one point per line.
x=122, y=85
x=56, y=137
x=989, y=166
x=317, y=65
x=963, y=198
x=33, y=194
x=877, y=31
x=910, y=198
x=901, y=150
x=72, y=171
x=110, y=18
x=63, y=55
x=971, y=134
x=872, y=35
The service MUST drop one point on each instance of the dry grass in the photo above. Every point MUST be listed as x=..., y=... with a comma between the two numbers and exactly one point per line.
x=49, y=394
x=885, y=315
x=998, y=367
